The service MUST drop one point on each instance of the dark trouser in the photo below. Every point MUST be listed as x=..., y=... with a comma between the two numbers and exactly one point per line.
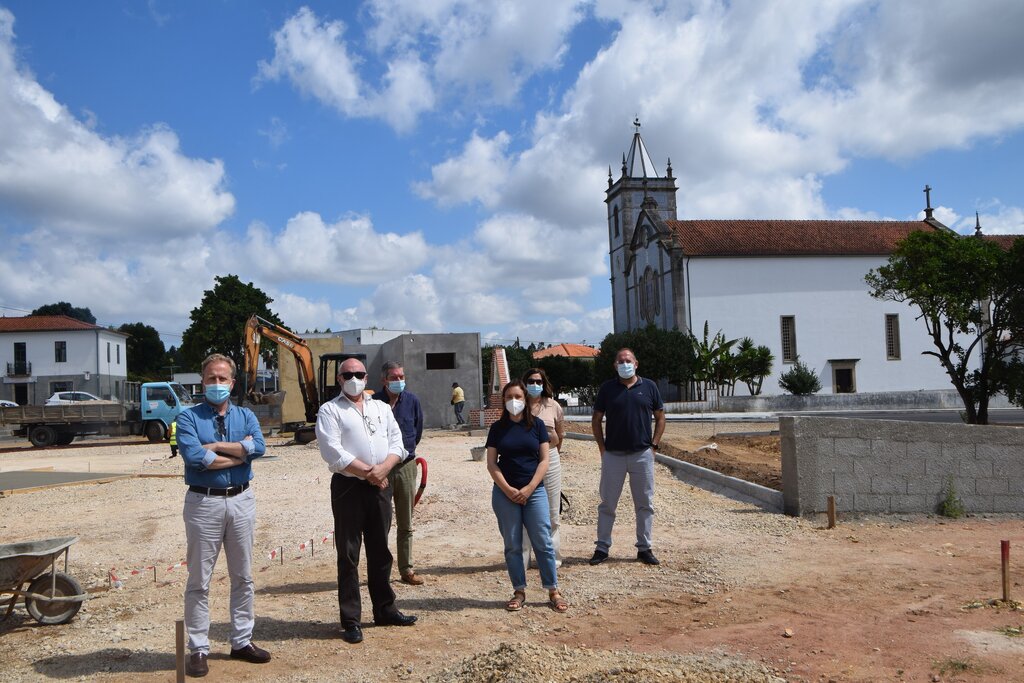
x=458, y=412
x=362, y=512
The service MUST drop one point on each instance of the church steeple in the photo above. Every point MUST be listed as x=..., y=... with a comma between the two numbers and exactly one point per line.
x=638, y=163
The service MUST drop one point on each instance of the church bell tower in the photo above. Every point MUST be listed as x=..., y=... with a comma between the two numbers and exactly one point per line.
x=639, y=180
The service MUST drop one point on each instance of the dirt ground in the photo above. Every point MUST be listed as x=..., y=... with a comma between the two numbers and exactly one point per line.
x=741, y=594
x=746, y=450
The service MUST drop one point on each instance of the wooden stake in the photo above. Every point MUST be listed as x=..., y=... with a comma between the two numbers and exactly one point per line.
x=1004, y=547
x=179, y=650
x=831, y=512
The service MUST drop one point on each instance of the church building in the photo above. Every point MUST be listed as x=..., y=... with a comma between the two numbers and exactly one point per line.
x=795, y=286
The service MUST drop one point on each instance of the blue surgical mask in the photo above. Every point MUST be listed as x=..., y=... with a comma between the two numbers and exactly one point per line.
x=396, y=386
x=217, y=393
x=534, y=390
x=626, y=370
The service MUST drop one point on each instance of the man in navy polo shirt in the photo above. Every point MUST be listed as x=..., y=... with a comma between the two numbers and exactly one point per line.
x=628, y=404
x=406, y=407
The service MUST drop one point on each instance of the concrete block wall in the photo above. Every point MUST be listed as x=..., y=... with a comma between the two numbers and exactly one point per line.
x=892, y=466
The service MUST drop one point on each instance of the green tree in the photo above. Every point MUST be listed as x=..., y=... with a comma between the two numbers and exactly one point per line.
x=173, y=361
x=567, y=374
x=800, y=380
x=968, y=291
x=754, y=363
x=714, y=367
x=661, y=354
x=145, y=351
x=64, y=308
x=219, y=321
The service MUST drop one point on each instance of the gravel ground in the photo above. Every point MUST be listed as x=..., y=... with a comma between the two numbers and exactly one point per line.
x=124, y=634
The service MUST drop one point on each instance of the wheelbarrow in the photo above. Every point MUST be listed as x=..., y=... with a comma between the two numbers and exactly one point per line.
x=51, y=598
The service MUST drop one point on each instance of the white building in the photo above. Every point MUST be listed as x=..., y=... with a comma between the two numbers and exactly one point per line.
x=44, y=354
x=795, y=286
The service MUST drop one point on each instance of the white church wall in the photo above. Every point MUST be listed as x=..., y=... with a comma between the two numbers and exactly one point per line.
x=836, y=318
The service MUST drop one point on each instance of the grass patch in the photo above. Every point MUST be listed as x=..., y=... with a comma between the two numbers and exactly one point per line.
x=1011, y=631
x=951, y=505
x=952, y=665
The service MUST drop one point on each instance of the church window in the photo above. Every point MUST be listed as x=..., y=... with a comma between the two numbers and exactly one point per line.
x=650, y=296
x=788, y=338
x=615, y=213
x=892, y=336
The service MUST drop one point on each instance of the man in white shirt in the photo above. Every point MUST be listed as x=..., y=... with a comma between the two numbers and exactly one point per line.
x=361, y=442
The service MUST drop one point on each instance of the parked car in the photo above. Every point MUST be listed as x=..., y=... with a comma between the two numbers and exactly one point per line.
x=70, y=397
x=8, y=404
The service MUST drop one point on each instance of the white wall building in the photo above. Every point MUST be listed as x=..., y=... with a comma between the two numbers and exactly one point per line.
x=44, y=354
x=795, y=286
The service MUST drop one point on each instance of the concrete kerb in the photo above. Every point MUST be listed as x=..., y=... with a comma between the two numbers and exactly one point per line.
x=731, y=487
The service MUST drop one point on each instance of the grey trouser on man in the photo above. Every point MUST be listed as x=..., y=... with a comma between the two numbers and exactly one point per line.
x=553, y=485
x=615, y=465
x=212, y=522
x=403, y=489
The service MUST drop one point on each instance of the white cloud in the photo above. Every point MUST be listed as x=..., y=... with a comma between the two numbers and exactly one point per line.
x=590, y=328
x=348, y=251
x=312, y=55
x=276, y=132
x=56, y=171
x=478, y=173
x=486, y=47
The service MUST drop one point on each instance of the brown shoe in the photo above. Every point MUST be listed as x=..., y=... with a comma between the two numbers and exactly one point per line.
x=411, y=579
x=196, y=666
x=251, y=654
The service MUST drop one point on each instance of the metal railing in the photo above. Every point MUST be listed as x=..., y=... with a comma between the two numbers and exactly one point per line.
x=19, y=369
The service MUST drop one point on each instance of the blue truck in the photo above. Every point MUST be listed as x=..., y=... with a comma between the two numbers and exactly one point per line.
x=149, y=410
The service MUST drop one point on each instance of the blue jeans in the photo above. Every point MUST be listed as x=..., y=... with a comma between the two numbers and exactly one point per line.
x=512, y=517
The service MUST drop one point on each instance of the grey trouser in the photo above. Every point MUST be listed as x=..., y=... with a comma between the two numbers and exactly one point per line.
x=212, y=522
x=615, y=465
x=553, y=485
x=403, y=490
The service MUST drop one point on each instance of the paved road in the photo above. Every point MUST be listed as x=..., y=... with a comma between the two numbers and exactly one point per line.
x=1013, y=416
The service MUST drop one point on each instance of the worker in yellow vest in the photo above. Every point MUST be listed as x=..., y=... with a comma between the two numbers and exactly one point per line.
x=172, y=433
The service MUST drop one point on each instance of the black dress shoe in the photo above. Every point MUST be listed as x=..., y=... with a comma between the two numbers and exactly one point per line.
x=598, y=557
x=251, y=654
x=196, y=666
x=396, y=619
x=647, y=557
x=353, y=634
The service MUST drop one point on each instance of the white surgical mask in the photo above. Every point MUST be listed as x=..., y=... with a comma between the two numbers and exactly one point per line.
x=626, y=370
x=354, y=387
x=514, y=406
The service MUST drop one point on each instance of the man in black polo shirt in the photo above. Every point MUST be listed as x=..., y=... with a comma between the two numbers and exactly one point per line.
x=628, y=404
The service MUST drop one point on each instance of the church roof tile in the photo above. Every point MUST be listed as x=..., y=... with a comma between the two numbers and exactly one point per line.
x=769, y=237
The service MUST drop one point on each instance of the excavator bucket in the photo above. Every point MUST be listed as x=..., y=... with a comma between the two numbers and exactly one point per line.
x=273, y=398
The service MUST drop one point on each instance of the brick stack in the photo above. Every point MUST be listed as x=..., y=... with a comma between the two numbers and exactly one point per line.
x=499, y=378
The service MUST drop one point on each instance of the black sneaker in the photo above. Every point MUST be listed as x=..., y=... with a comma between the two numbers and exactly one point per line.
x=647, y=557
x=598, y=557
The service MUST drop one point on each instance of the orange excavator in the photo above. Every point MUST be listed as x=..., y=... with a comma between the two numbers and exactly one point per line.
x=313, y=393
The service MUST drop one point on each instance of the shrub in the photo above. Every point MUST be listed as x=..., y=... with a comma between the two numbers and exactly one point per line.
x=951, y=506
x=800, y=380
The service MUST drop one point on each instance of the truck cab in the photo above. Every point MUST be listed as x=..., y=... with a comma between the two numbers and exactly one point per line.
x=159, y=405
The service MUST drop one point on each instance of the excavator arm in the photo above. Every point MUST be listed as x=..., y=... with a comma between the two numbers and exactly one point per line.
x=257, y=328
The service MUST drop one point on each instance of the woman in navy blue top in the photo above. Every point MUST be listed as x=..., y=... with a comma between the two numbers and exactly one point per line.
x=517, y=459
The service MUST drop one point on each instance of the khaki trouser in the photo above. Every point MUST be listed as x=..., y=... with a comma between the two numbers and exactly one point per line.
x=553, y=485
x=403, y=486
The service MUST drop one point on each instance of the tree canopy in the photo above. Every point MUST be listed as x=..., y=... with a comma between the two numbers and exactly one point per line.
x=64, y=308
x=146, y=352
x=219, y=321
x=660, y=354
x=968, y=292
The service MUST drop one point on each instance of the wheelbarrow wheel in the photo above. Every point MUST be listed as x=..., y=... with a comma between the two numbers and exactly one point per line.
x=49, y=613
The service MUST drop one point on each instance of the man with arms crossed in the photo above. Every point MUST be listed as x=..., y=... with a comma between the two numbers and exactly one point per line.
x=407, y=411
x=361, y=443
x=628, y=403
x=218, y=441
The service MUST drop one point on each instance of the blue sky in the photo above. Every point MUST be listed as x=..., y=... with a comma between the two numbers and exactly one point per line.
x=441, y=166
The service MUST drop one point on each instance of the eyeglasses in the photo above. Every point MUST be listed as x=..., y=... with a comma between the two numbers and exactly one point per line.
x=222, y=430
x=350, y=375
x=370, y=427
x=538, y=382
